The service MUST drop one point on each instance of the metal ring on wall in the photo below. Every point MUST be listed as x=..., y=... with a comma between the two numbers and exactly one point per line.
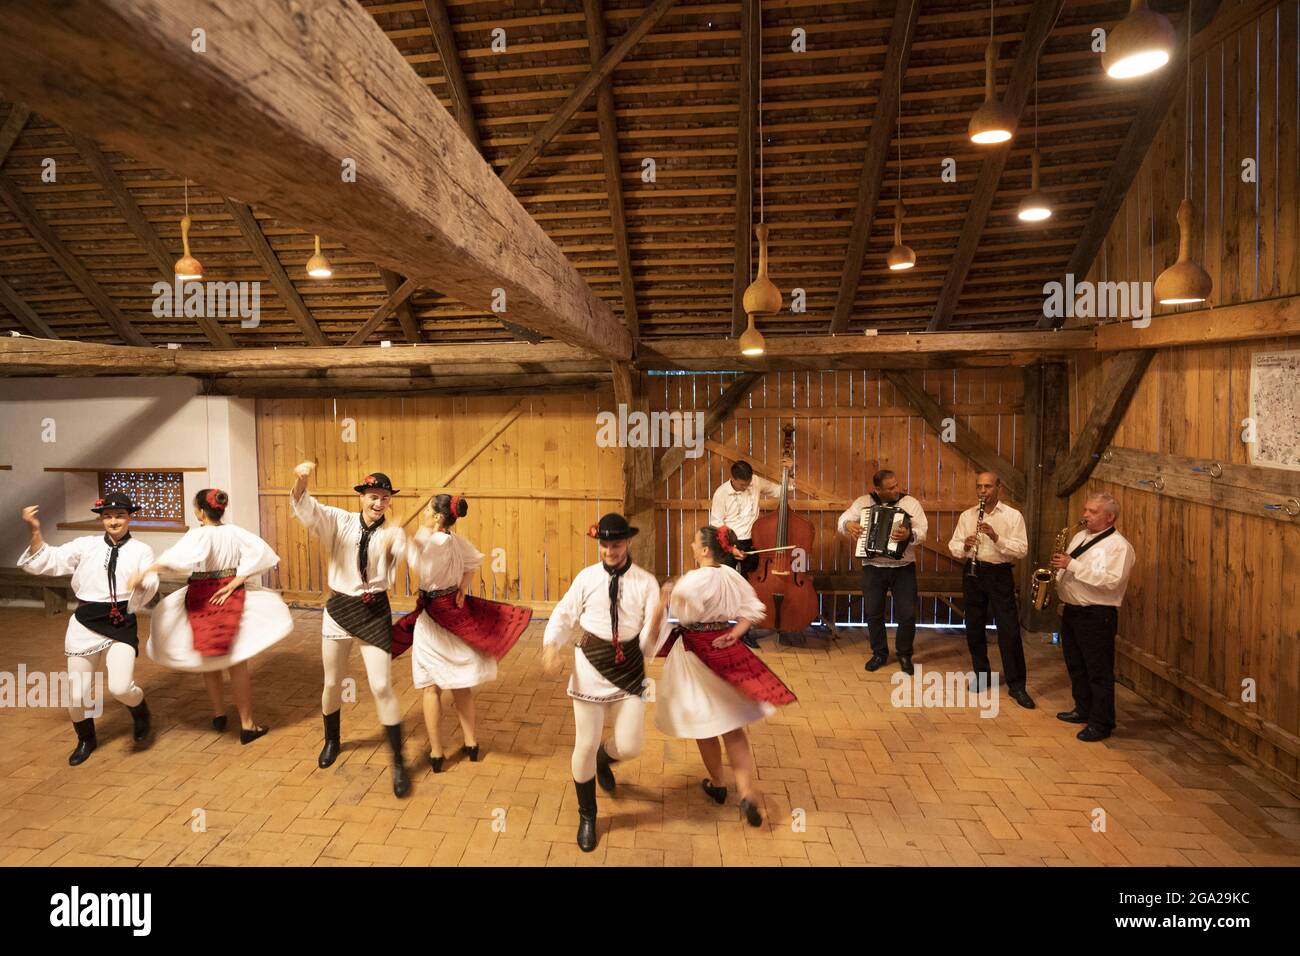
x=1215, y=470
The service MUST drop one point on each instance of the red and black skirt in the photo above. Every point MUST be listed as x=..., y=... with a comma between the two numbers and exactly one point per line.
x=214, y=626
x=491, y=627
x=737, y=665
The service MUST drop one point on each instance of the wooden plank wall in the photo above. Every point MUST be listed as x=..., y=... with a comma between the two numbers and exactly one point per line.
x=848, y=424
x=533, y=491
x=1214, y=598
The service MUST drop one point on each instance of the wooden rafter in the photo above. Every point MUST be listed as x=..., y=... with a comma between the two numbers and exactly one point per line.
x=876, y=158
x=965, y=440
x=746, y=123
x=13, y=127
x=586, y=86
x=396, y=298
x=731, y=396
x=405, y=314
x=608, y=124
x=139, y=224
x=270, y=264
x=1119, y=379
x=24, y=312
x=444, y=38
x=40, y=230
x=1042, y=17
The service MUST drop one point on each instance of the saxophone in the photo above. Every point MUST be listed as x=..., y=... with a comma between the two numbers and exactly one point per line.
x=1041, y=593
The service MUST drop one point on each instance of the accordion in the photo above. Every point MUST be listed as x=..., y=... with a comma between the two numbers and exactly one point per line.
x=878, y=523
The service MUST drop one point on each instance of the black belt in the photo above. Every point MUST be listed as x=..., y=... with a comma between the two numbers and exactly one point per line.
x=992, y=564
x=207, y=575
x=706, y=626
x=441, y=592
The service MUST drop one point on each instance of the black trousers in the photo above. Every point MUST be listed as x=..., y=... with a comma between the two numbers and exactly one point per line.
x=747, y=566
x=900, y=581
x=993, y=587
x=1088, y=642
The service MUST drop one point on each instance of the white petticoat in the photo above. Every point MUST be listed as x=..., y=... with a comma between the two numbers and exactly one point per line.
x=266, y=621
x=439, y=657
x=694, y=703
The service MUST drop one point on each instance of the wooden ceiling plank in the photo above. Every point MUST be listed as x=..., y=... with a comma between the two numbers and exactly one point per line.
x=876, y=158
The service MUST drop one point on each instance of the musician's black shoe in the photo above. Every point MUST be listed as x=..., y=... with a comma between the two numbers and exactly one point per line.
x=749, y=640
x=719, y=794
x=905, y=664
x=1072, y=717
x=877, y=661
x=1022, y=698
x=605, y=776
x=1092, y=733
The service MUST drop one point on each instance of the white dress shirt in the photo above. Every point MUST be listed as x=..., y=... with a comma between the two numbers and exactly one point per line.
x=1006, y=522
x=86, y=559
x=1099, y=575
x=919, y=527
x=340, y=533
x=738, y=510
x=585, y=608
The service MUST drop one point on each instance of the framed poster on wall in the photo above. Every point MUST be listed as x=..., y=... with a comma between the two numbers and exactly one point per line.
x=1275, y=409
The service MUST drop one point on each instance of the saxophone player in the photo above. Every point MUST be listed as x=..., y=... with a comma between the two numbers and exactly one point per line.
x=994, y=545
x=1091, y=580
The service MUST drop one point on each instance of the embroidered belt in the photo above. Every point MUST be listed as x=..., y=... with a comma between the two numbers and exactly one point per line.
x=206, y=575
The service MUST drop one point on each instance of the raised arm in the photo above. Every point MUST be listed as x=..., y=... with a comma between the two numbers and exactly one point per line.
x=40, y=558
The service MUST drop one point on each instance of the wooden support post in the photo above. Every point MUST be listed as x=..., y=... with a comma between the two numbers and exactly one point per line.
x=1119, y=379
x=638, y=471
x=1047, y=419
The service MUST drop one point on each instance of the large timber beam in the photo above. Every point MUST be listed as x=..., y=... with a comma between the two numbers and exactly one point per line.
x=1042, y=17
x=310, y=113
x=1118, y=380
x=876, y=158
x=1261, y=319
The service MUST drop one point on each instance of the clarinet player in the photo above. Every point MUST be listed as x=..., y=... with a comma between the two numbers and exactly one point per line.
x=989, y=539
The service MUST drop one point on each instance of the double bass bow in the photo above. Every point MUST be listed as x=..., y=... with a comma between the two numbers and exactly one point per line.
x=787, y=594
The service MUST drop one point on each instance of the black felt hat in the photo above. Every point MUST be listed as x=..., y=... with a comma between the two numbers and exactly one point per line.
x=114, y=500
x=375, y=481
x=612, y=527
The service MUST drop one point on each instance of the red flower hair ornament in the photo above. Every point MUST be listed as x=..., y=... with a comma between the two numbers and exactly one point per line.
x=216, y=498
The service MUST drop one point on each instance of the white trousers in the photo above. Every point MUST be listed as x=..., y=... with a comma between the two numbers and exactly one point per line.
x=628, y=716
x=379, y=671
x=119, y=660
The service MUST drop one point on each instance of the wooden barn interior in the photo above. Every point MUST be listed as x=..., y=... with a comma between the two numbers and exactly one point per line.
x=539, y=211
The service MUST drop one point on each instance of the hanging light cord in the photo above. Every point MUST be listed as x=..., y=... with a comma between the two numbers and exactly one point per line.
x=1187, y=177
x=762, y=214
x=899, y=124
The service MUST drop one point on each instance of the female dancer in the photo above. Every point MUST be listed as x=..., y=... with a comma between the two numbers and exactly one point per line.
x=214, y=624
x=713, y=685
x=456, y=638
x=102, y=631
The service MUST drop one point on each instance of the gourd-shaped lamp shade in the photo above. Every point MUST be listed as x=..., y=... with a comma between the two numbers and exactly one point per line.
x=762, y=296
x=751, y=340
x=992, y=122
x=318, y=267
x=901, y=256
x=1140, y=43
x=187, y=267
x=1184, y=282
x=1035, y=207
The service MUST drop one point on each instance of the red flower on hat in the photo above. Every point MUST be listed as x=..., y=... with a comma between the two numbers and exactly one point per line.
x=368, y=480
x=593, y=530
x=99, y=502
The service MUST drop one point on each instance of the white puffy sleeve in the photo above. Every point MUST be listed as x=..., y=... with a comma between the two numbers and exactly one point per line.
x=740, y=600
x=190, y=553
x=256, y=557
x=433, y=555
x=52, y=560
x=143, y=594
x=470, y=556
x=562, y=626
x=318, y=518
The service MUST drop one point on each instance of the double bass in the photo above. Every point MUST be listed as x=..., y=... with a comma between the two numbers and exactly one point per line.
x=789, y=596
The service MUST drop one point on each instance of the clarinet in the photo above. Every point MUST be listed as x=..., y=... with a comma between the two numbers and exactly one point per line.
x=974, y=552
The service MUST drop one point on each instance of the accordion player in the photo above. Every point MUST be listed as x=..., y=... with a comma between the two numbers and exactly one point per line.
x=878, y=524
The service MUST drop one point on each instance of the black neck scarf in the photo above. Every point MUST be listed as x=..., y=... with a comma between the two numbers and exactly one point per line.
x=614, y=575
x=1084, y=546
x=114, y=614
x=363, y=552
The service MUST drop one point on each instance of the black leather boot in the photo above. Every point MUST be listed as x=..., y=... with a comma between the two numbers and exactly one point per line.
x=605, y=776
x=586, y=815
x=330, y=751
x=140, y=720
x=86, y=741
x=401, y=782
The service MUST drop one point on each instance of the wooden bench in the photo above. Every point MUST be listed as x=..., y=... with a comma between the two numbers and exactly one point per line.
x=56, y=590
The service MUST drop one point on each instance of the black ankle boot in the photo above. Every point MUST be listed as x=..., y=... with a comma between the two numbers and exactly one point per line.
x=605, y=776
x=86, y=741
x=586, y=815
x=330, y=751
x=401, y=782
x=140, y=720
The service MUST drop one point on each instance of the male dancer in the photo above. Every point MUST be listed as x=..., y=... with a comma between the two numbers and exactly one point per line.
x=611, y=597
x=363, y=552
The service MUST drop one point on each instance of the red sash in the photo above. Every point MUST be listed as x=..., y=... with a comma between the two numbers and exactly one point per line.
x=492, y=627
x=214, y=626
x=737, y=665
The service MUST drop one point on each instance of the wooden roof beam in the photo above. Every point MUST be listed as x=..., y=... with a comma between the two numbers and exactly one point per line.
x=1119, y=379
x=444, y=38
x=1041, y=20
x=274, y=270
x=12, y=129
x=876, y=158
x=24, y=312
x=309, y=93
x=40, y=230
x=405, y=315
x=586, y=86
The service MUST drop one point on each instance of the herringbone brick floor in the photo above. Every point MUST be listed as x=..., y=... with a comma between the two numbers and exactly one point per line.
x=848, y=778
